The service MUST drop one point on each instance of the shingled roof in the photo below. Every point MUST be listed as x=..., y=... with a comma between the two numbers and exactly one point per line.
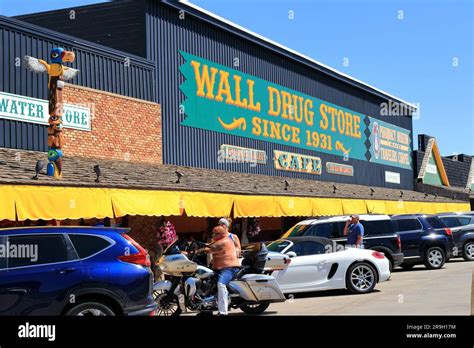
x=17, y=167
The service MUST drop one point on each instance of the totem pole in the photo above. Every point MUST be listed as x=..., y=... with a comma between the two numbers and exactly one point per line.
x=57, y=75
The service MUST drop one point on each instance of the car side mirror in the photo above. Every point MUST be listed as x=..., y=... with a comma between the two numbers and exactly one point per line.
x=291, y=254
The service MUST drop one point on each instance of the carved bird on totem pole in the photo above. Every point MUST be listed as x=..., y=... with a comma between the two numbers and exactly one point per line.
x=57, y=73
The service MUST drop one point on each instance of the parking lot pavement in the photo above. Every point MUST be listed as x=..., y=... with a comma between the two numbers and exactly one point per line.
x=417, y=292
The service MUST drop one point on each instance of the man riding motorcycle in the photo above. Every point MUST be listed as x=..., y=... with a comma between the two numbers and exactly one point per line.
x=224, y=263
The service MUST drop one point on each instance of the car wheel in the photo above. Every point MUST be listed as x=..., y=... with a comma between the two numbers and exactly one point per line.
x=407, y=267
x=361, y=278
x=166, y=307
x=434, y=258
x=468, y=251
x=254, y=308
x=90, y=309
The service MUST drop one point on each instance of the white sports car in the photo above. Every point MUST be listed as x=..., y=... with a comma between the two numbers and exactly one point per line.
x=320, y=264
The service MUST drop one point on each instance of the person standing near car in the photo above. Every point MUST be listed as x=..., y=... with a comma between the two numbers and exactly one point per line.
x=354, y=232
x=224, y=263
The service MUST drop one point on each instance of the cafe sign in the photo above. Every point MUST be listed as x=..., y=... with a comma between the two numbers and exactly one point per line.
x=32, y=110
x=294, y=162
x=229, y=101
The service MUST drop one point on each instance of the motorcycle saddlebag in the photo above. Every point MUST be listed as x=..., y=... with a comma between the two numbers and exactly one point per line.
x=258, y=287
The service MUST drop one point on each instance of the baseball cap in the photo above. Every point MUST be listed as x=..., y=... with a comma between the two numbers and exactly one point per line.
x=224, y=221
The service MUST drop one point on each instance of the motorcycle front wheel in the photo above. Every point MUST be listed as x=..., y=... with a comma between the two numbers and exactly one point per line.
x=254, y=308
x=166, y=307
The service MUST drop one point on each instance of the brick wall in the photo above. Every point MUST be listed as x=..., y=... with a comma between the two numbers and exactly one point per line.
x=123, y=128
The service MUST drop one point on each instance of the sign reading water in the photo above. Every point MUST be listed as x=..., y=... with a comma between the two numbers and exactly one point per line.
x=32, y=110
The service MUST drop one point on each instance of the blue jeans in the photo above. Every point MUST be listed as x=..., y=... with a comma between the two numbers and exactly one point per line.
x=225, y=275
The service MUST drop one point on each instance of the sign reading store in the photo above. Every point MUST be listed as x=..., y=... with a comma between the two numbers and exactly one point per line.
x=32, y=110
x=229, y=101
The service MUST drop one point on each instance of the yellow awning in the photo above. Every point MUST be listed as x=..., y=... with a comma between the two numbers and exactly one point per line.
x=413, y=207
x=441, y=208
x=145, y=202
x=354, y=206
x=458, y=207
x=376, y=206
x=428, y=208
x=252, y=206
x=327, y=206
x=395, y=207
x=7, y=203
x=49, y=202
x=46, y=202
x=294, y=206
x=207, y=204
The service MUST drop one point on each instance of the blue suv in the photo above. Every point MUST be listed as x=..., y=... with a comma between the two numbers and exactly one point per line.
x=77, y=271
x=425, y=240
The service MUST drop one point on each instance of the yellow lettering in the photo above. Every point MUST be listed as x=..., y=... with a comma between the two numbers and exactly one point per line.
x=333, y=114
x=224, y=88
x=308, y=114
x=240, y=103
x=204, y=80
x=295, y=135
x=349, y=130
x=286, y=128
x=324, y=123
x=256, y=129
x=286, y=105
x=341, y=121
x=298, y=111
x=275, y=130
x=357, y=133
x=272, y=111
x=252, y=106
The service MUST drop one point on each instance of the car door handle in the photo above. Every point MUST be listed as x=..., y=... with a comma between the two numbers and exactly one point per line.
x=24, y=291
x=66, y=270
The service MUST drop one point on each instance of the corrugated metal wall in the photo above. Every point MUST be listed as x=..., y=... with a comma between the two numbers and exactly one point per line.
x=101, y=68
x=167, y=33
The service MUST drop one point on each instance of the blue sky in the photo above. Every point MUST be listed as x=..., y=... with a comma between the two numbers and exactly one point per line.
x=425, y=57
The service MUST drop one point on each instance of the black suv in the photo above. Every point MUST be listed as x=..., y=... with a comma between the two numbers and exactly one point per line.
x=425, y=240
x=379, y=233
x=462, y=227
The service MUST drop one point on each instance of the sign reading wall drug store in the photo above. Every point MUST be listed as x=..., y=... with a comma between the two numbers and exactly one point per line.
x=228, y=101
x=32, y=110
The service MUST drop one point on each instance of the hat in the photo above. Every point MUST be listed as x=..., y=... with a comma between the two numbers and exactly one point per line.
x=218, y=230
x=225, y=222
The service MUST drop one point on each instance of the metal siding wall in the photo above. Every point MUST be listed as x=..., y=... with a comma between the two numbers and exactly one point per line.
x=99, y=69
x=166, y=34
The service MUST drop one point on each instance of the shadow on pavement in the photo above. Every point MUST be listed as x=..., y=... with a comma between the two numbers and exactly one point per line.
x=325, y=293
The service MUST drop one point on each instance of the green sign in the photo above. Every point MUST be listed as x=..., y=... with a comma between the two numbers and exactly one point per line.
x=389, y=144
x=32, y=110
x=226, y=100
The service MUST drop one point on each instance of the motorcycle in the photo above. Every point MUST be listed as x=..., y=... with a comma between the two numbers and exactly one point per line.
x=193, y=287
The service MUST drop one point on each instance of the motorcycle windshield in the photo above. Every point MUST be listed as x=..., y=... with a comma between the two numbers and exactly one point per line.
x=173, y=248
